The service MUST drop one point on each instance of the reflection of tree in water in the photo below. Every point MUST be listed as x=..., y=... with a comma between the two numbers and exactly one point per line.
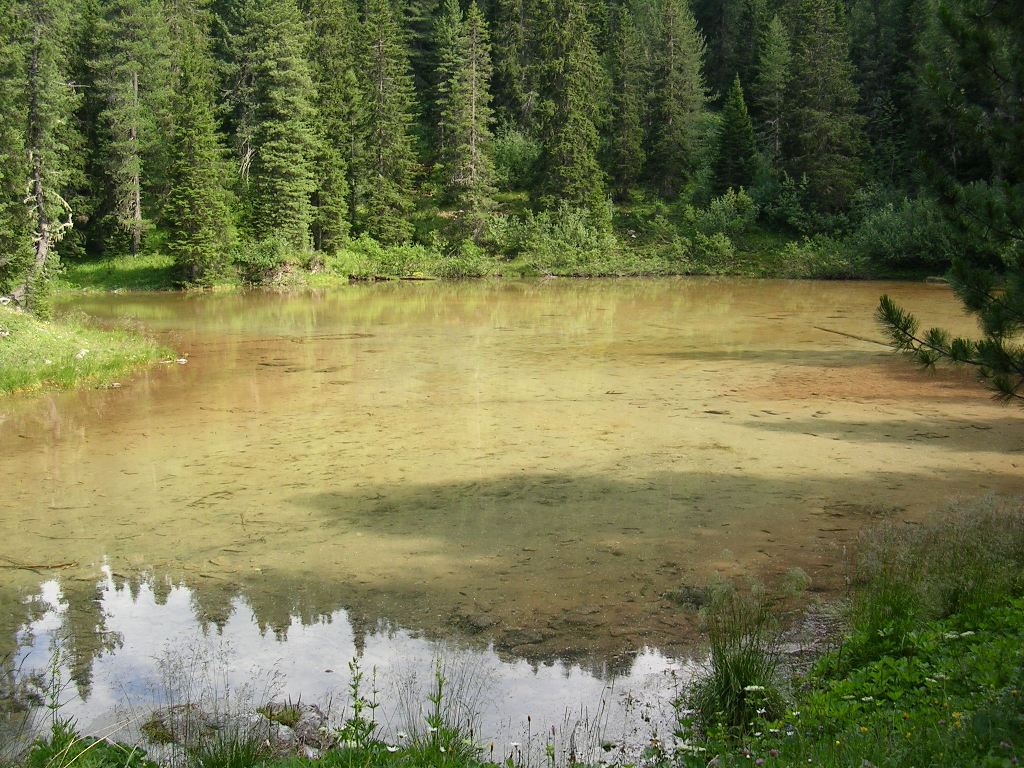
x=83, y=635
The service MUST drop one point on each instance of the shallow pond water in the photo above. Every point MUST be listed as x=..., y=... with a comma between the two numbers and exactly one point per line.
x=524, y=472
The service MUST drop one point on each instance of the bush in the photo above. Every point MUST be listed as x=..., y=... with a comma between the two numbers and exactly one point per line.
x=566, y=241
x=365, y=258
x=468, y=261
x=264, y=262
x=732, y=213
x=907, y=233
x=821, y=258
x=515, y=158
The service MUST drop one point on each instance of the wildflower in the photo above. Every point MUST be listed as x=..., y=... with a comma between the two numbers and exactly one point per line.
x=392, y=748
x=773, y=753
x=864, y=729
x=867, y=698
x=759, y=761
x=968, y=633
x=761, y=711
x=752, y=688
x=796, y=713
x=758, y=734
x=443, y=749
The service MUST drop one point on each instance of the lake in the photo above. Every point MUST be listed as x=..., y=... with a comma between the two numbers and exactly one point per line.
x=518, y=476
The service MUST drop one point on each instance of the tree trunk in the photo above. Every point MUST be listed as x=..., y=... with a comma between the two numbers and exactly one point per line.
x=136, y=201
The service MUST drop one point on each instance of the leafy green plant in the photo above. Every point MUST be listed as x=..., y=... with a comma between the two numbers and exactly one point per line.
x=730, y=214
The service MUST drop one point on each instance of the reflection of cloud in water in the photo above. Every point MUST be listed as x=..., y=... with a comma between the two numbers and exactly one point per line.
x=311, y=662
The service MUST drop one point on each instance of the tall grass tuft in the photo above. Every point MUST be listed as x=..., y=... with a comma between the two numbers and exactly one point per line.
x=741, y=683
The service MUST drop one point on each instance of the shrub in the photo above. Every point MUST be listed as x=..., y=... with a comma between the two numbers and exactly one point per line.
x=566, y=241
x=732, y=213
x=820, y=257
x=468, y=261
x=907, y=233
x=264, y=262
x=515, y=157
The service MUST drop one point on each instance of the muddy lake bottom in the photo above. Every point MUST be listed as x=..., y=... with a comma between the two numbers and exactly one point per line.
x=517, y=477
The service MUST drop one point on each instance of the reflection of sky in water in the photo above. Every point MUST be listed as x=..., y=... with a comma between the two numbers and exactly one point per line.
x=312, y=662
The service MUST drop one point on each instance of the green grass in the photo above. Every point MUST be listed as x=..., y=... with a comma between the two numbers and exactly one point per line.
x=145, y=272
x=930, y=674
x=37, y=354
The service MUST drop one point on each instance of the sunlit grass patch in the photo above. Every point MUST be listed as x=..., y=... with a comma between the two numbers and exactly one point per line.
x=144, y=272
x=62, y=354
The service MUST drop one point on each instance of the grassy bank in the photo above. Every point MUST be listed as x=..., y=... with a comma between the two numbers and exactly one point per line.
x=37, y=354
x=929, y=673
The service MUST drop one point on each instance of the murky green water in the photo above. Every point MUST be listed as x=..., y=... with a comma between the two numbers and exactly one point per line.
x=522, y=469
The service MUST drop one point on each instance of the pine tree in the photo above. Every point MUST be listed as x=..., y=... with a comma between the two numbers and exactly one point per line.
x=511, y=43
x=679, y=96
x=572, y=86
x=823, y=139
x=466, y=120
x=627, y=70
x=282, y=139
x=45, y=100
x=333, y=52
x=133, y=77
x=770, y=87
x=972, y=89
x=15, y=230
x=387, y=175
x=448, y=44
x=196, y=214
x=737, y=148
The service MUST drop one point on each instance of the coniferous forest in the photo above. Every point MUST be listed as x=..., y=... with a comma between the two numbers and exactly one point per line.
x=804, y=138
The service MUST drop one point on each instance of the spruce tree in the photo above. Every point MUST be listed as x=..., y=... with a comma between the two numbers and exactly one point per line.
x=468, y=168
x=679, y=96
x=333, y=54
x=41, y=95
x=133, y=76
x=278, y=163
x=387, y=174
x=15, y=237
x=196, y=213
x=737, y=147
x=627, y=70
x=572, y=89
x=770, y=87
x=448, y=44
x=511, y=43
x=823, y=137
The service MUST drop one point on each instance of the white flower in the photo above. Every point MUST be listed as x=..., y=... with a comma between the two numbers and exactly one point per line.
x=867, y=698
x=5, y=300
x=432, y=729
x=751, y=688
x=443, y=749
x=761, y=711
x=968, y=633
x=392, y=748
x=796, y=713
